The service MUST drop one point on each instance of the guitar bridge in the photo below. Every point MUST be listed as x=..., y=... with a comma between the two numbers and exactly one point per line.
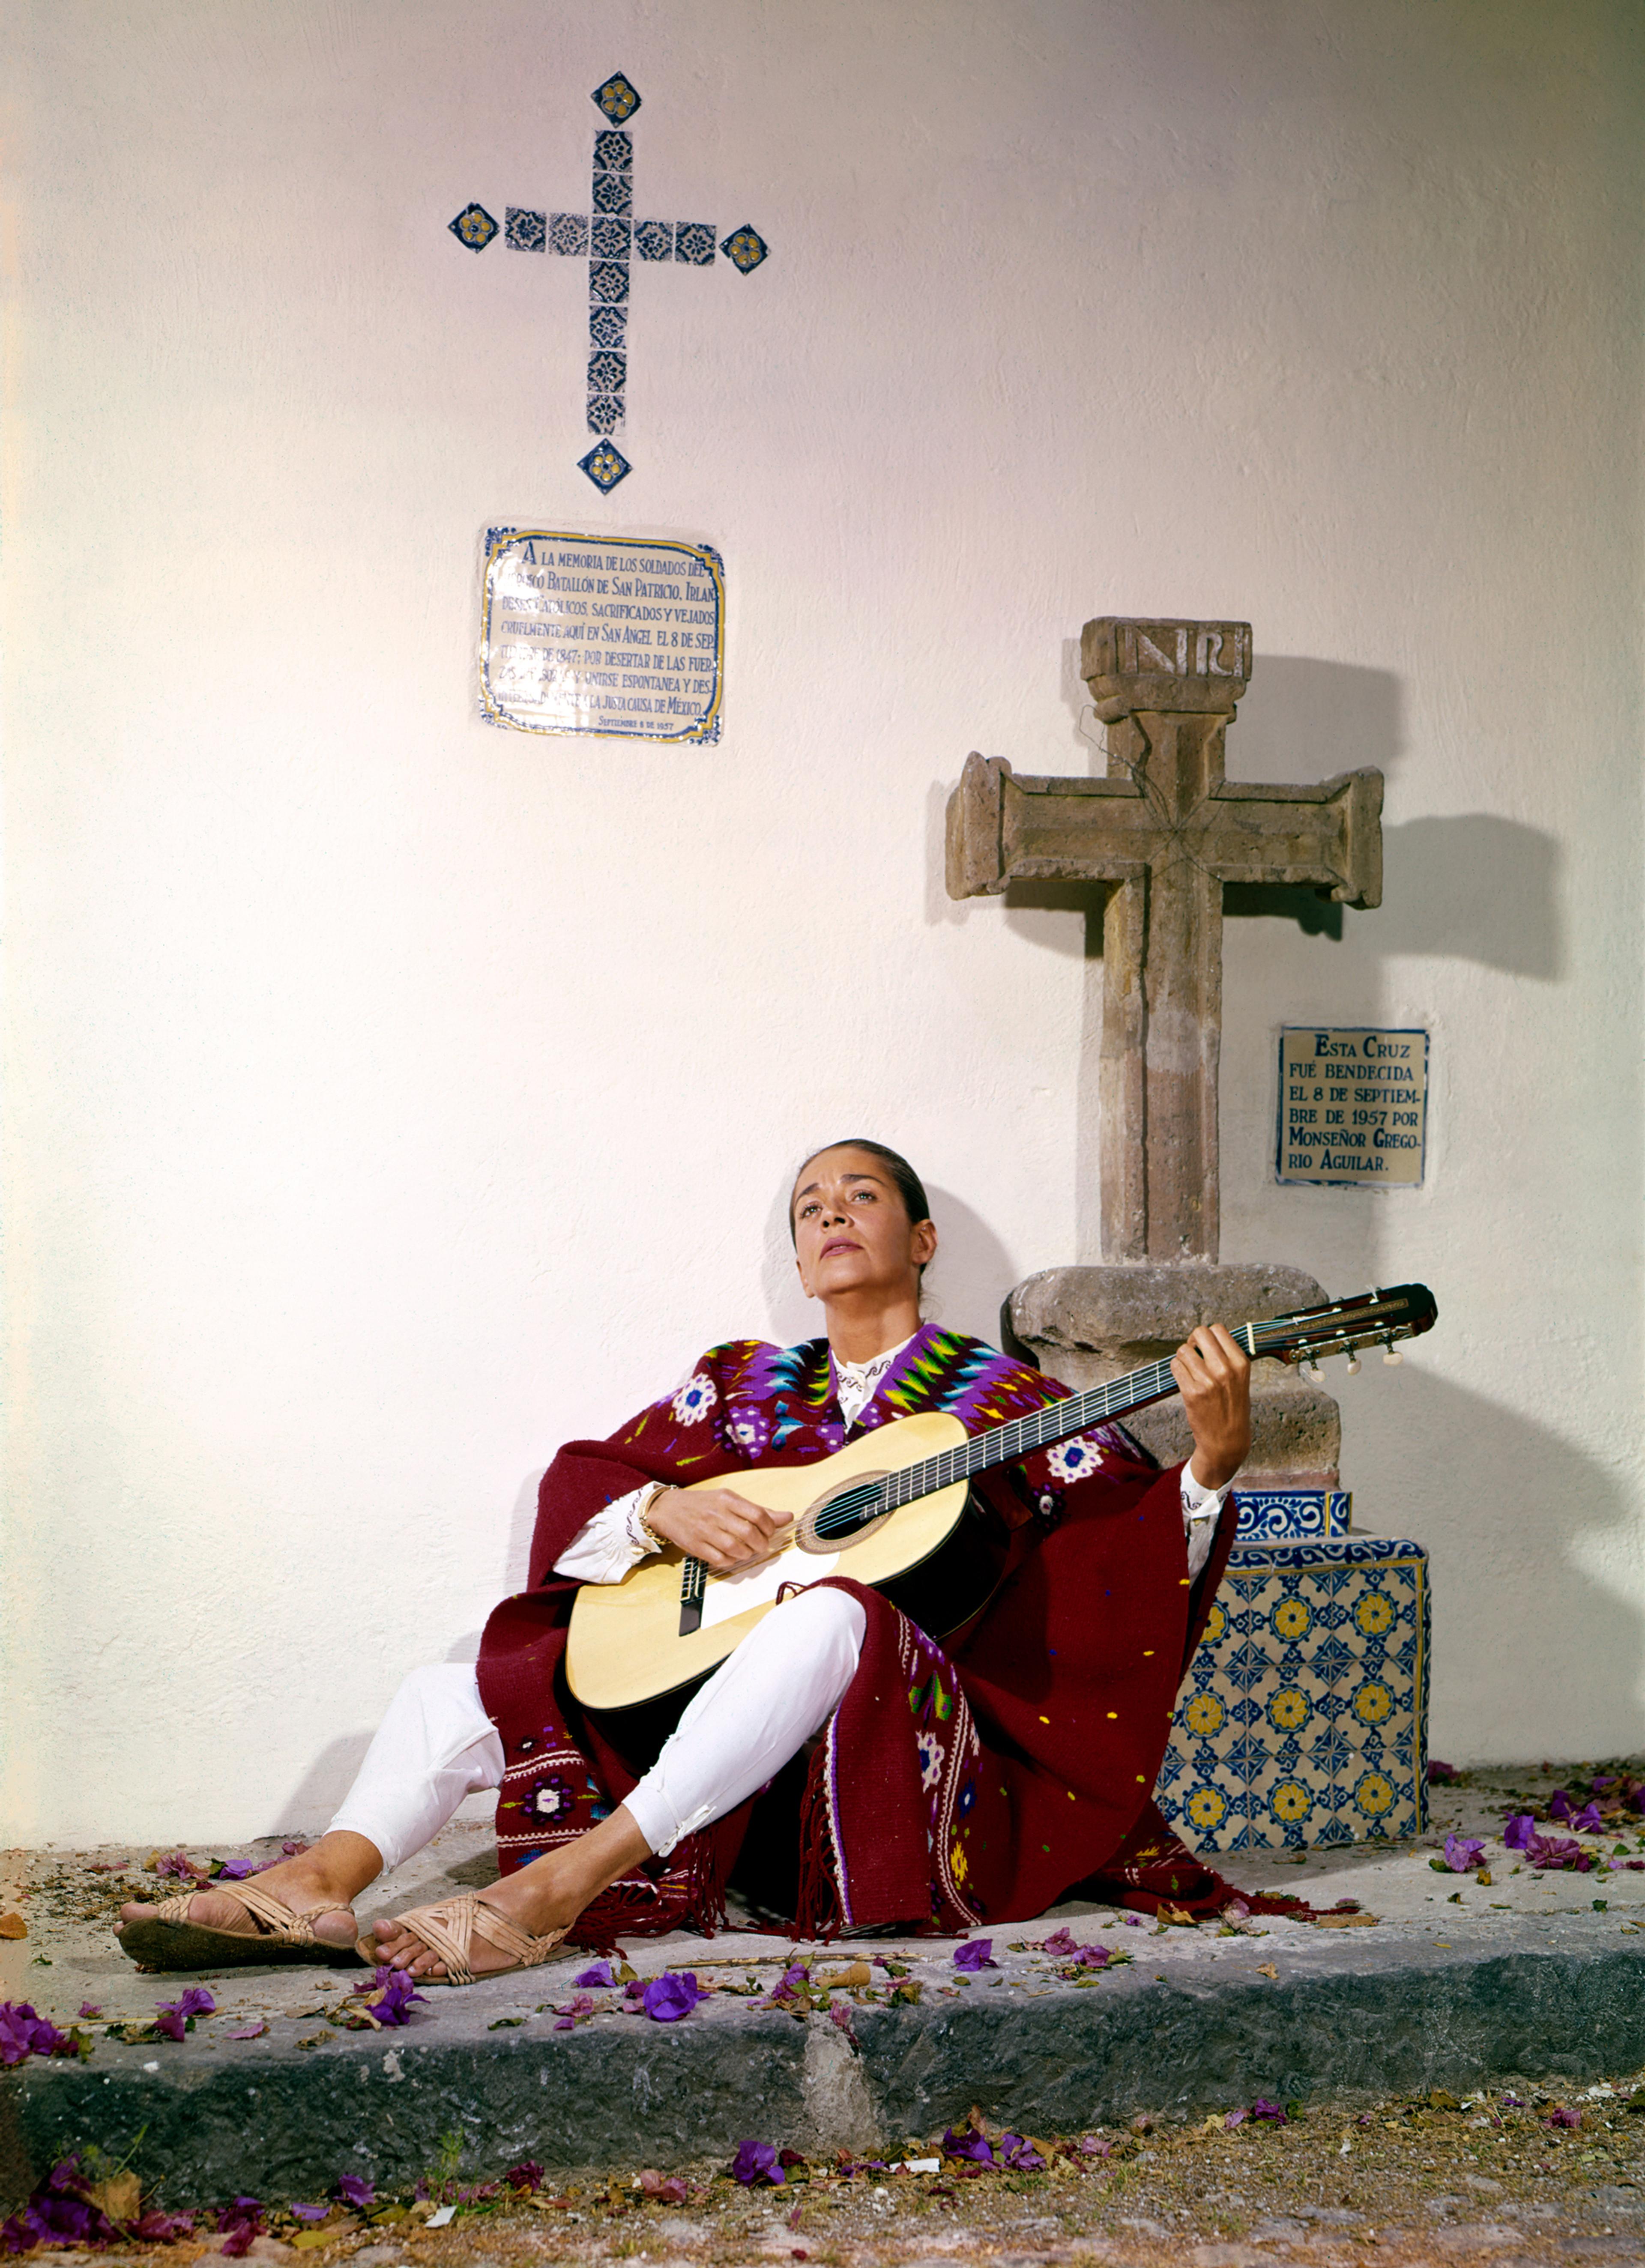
x=693, y=1587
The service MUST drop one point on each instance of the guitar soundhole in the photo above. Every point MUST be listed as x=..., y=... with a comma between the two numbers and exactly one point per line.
x=834, y=1522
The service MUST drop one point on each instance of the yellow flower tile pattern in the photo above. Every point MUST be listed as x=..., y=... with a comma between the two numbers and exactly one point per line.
x=1303, y=1717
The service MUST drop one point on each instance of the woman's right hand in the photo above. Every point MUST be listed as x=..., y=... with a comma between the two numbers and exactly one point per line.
x=718, y=1525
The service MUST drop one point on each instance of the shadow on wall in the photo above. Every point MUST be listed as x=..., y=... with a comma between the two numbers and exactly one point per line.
x=322, y=1787
x=1507, y=1551
x=1475, y=888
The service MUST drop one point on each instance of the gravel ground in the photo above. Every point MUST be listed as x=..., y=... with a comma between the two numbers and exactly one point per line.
x=1404, y=2182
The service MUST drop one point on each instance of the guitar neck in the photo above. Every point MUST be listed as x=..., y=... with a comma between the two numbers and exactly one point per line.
x=1003, y=1443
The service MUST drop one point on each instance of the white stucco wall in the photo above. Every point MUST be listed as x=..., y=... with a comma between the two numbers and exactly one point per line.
x=389, y=1097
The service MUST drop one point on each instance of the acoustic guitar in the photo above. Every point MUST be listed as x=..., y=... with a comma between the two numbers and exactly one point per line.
x=892, y=1505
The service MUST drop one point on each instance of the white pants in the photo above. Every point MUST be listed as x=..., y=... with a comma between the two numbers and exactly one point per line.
x=436, y=1744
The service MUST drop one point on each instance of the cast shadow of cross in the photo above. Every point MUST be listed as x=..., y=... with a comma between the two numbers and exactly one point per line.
x=1473, y=885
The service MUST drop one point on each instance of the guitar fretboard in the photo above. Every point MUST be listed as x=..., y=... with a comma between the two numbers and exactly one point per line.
x=1041, y=1427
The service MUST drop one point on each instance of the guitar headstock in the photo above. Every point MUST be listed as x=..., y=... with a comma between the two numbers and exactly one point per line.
x=1380, y=1318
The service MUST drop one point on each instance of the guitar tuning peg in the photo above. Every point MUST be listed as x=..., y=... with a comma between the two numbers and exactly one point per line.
x=1312, y=1370
x=1353, y=1366
x=1393, y=1356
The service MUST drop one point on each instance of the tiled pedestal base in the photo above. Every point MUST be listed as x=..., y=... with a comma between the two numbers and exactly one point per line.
x=1303, y=1719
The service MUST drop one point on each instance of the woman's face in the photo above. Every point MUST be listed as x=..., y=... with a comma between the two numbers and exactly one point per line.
x=852, y=1229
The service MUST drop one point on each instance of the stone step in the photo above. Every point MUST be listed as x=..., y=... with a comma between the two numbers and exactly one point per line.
x=1195, y=2024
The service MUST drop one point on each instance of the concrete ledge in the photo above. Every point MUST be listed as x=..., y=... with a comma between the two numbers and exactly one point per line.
x=1194, y=2025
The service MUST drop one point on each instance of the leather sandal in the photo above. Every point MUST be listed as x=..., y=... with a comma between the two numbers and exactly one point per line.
x=167, y=1938
x=449, y=1928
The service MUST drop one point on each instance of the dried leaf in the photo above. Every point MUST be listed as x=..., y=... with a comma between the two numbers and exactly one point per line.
x=120, y=2197
x=856, y=1973
x=1345, y=1921
x=13, y=1925
x=1266, y=1969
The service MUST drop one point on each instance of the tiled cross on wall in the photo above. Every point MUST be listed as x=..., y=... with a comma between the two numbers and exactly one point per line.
x=608, y=237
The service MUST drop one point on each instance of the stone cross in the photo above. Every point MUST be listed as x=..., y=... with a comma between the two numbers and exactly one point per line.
x=609, y=238
x=1164, y=831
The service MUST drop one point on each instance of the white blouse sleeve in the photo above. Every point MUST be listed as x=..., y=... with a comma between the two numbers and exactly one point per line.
x=606, y=1547
x=1200, y=1508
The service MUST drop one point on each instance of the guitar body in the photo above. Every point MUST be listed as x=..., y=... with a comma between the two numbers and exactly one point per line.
x=625, y=1645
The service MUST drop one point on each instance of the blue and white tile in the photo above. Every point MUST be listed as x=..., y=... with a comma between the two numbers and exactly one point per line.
x=1302, y=1719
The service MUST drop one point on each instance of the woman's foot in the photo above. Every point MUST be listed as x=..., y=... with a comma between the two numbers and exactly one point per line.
x=547, y=1895
x=332, y=1873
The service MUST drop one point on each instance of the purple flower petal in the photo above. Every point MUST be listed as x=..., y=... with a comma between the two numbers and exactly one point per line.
x=241, y=2224
x=1440, y=1774
x=975, y=1954
x=1561, y=2117
x=1519, y=1831
x=1263, y=2109
x=353, y=2188
x=966, y=2142
x=24, y=2034
x=394, y=1991
x=159, y=2228
x=250, y=2031
x=310, y=2212
x=1588, y=1821
x=1463, y=1853
x=1558, y=1805
x=1061, y=1942
x=1546, y=1851
x=756, y=2161
x=668, y=1997
x=1017, y=2152
x=600, y=1973
x=89, y=2009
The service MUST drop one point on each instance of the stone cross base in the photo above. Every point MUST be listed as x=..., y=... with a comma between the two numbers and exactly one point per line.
x=1087, y=1325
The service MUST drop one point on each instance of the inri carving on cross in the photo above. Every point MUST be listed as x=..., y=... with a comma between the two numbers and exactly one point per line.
x=607, y=236
x=1164, y=831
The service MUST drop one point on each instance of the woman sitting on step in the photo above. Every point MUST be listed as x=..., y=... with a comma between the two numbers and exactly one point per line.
x=979, y=1780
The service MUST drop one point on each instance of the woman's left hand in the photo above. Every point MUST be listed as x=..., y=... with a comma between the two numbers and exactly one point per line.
x=1213, y=1376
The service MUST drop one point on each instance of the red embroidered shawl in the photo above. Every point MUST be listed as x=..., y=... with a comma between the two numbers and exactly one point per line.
x=949, y=1788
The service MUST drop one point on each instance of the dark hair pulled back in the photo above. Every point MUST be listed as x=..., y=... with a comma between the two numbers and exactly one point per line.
x=910, y=1187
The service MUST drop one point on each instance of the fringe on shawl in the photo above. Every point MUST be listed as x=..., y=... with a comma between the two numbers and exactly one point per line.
x=819, y=1909
x=1153, y=1868
x=689, y=1895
